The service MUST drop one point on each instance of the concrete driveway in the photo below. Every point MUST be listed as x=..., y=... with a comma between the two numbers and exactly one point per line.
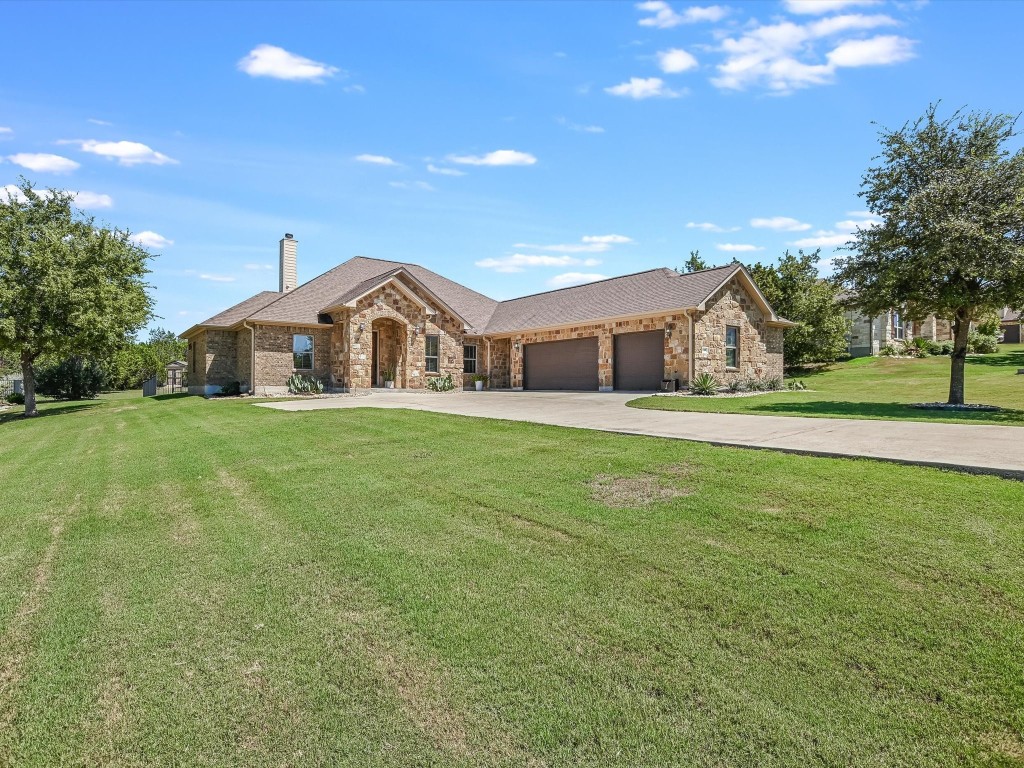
x=972, y=447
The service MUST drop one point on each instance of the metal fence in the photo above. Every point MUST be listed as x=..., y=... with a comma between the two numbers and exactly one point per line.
x=9, y=386
x=152, y=387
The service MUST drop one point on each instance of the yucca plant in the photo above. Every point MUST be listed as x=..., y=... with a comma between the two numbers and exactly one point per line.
x=704, y=384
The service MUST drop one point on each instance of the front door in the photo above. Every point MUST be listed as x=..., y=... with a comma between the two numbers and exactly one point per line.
x=375, y=364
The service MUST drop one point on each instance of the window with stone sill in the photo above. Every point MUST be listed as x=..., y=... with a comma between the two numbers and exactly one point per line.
x=732, y=346
x=469, y=358
x=302, y=352
x=432, y=343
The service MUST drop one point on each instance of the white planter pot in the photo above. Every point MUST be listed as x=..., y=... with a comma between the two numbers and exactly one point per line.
x=389, y=385
x=479, y=386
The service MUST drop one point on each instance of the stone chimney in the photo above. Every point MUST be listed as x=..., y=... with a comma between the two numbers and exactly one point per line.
x=289, y=263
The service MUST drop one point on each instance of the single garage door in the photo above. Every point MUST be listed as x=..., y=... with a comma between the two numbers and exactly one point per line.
x=639, y=360
x=1011, y=334
x=568, y=364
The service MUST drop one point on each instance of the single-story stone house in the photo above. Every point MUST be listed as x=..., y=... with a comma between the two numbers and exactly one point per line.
x=870, y=335
x=1010, y=323
x=368, y=320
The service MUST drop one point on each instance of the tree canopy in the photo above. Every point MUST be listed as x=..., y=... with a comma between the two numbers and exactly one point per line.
x=950, y=197
x=797, y=292
x=68, y=286
x=693, y=264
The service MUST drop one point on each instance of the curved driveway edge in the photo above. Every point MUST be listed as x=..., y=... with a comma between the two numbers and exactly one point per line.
x=978, y=448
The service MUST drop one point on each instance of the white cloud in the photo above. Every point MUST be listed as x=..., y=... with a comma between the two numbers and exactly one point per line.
x=820, y=7
x=217, y=278
x=375, y=159
x=412, y=185
x=259, y=266
x=615, y=239
x=873, y=52
x=823, y=238
x=707, y=226
x=567, y=279
x=568, y=247
x=271, y=61
x=780, y=224
x=783, y=57
x=95, y=121
x=125, y=152
x=93, y=200
x=354, y=88
x=579, y=127
x=518, y=262
x=643, y=88
x=444, y=171
x=738, y=247
x=5, y=132
x=498, y=157
x=676, y=60
x=150, y=239
x=851, y=225
x=81, y=199
x=43, y=163
x=664, y=17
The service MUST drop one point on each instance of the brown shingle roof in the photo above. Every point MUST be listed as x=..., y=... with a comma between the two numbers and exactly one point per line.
x=243, y=309
x=657, y=290
x=1010, y=316
x=304, y=304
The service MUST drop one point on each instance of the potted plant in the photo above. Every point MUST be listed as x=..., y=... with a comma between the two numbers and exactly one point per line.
x=479, y=379
x=389, y=378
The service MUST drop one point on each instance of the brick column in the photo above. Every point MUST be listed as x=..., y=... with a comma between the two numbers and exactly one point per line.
x=605, y=353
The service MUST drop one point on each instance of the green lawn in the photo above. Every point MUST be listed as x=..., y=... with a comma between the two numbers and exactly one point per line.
x=881, y=388
x=195, y=583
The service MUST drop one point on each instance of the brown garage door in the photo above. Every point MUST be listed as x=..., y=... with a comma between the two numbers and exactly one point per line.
x=639, y=360
x=1011, y=334
x=568, y=364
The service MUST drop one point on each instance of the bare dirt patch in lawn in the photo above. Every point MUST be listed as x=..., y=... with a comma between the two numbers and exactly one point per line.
x=638, y=491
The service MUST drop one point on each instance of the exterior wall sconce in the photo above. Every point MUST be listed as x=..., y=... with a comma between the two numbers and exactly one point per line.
x=668, y=330
x=515, y=346
x=362, y=327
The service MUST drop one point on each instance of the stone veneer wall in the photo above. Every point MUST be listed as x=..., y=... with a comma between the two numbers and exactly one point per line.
x=481, y=362
x=760, y=352
x=243, y=352
x=499, y=365
x=352, y=348
x=197, y=363
x=274, y=360
x=676, y=345
x=220, y=356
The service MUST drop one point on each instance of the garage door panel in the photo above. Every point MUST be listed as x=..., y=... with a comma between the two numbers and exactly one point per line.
x=639, y=360
x=566, y=365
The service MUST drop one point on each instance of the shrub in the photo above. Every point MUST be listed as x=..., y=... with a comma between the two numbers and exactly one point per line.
x=72, y=379
x=480, y=377
x=704, y=384
x=982, y=344
x=755, y=385
x=441, y=383
x=797, y=386
x=774, y=384
x=945, y=348
x=304, y=385
x=888, y=351
x=737, y=385
x=16, y=398
x=231, y=389
x=922, y=347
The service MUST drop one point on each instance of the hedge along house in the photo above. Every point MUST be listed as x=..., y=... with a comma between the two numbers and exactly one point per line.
x=367, y=321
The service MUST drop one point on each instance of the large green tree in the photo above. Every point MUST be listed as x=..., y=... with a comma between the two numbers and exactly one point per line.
x=797, y=292
x=67, y=285
x=950, y=196
x=693, y=264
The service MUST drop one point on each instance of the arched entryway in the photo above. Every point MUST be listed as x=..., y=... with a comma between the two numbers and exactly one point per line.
x=389, y=352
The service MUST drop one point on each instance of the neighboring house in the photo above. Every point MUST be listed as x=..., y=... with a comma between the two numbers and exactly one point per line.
x=14, y=383
x=869, y=335
x=175, y=373
x=366, y=316
x=1010, y=324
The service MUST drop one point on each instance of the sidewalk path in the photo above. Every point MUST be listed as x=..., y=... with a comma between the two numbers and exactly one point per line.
x=982, y=448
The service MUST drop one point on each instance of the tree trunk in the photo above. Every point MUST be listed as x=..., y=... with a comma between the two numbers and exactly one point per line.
x=961, y=330
x=29, y=384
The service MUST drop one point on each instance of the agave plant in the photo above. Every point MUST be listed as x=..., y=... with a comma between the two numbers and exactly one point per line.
x=704, y=384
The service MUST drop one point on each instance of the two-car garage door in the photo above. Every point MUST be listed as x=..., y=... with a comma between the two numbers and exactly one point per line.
x=639, y=361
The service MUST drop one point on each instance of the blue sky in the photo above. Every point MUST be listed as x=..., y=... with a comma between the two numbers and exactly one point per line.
x=513, y=146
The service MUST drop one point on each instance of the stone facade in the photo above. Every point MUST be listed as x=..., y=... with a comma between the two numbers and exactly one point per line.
x=676, y=345
x=760, y=346
x=869, y=335
x=391, y=325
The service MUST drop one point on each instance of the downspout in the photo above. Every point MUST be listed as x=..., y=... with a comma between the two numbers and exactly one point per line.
x=252, y=356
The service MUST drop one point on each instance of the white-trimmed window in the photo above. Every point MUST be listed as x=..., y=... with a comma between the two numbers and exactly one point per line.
x=433, y=348
x=302, y=352
x=898, y=330
x=732, y=346
x=469, y=358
